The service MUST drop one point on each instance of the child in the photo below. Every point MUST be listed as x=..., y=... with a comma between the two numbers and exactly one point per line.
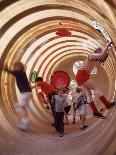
x=49, y=91
x=85, y=82
x=59, y=102
x=81, y=106
x=75, y=97
x=68, y=105
x=23, y=85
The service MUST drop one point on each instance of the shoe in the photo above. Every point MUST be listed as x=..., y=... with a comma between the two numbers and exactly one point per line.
x=61, y=134
x=47, y=107
x=85, y=126
x=22, y=126
x=111, y=105
x=101, y=109
x=82, y=128
x=99, y=115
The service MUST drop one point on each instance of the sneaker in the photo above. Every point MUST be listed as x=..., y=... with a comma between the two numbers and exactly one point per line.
x=82, y=128
x=47, y=107
x=111, y=105
x=85, y=126
x=99, y=115
x=22, y=126
x=61, y=134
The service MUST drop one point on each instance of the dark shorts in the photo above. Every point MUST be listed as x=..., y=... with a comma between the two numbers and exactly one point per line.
x=67, y=109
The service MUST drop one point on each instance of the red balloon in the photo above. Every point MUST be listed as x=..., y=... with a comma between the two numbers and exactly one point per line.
x=60, y=79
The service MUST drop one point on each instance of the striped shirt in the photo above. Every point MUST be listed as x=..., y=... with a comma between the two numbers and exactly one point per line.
x=81, y=100
x=59, y=101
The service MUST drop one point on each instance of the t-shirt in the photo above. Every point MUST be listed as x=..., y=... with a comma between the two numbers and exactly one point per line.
x=59, y=101
x=68, y=100
x=45, y=87
x=81, y=100
x=21, y=81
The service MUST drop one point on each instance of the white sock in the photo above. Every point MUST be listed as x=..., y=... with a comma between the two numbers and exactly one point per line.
x=17, y=107
x=25, y=120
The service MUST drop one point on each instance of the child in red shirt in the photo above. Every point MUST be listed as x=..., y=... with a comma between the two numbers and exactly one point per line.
x=49, y=91
x=85, y=82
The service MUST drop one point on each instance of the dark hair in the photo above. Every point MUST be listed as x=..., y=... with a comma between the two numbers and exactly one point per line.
x=61, y=89
x=98, y=50
x=18, y=66
x=67, y=89
x=38, y=79
x=78, y=90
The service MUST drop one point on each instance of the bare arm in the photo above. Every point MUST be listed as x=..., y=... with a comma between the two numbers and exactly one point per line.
x=35, y=86
x=99, y=56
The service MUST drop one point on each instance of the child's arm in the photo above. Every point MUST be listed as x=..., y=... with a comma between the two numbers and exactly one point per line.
x=32, y=87
x=35, y=86
x=74, y=106
x=99, y=56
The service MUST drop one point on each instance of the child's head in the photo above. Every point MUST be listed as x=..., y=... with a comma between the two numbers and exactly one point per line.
x=67, y=90
x=60, y=91
x=17, y=66
x=78, y=90
x=98, y=50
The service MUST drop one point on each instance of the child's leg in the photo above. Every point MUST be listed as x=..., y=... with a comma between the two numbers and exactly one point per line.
x=100, y=95
x=66, y=118
x=57, y=122
x=83, y=125
x=61, y=132
x=82, y=120
x=83, y=111
x=74, y=115
x=105, y=101
x=22, y=111
x=87, y=87
x=24, y=119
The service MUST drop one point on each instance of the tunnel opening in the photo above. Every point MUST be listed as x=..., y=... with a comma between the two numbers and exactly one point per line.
x=28, y=34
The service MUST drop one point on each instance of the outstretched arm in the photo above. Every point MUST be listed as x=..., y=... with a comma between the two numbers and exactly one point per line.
x=99, y=56
x=35, y=86
x=105, y=50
